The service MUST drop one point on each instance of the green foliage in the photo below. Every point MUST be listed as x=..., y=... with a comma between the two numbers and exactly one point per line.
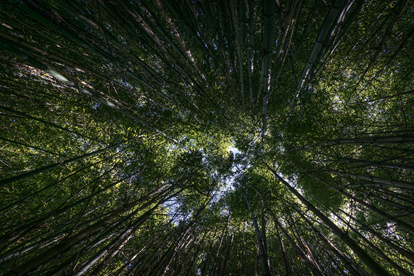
x=206, y=137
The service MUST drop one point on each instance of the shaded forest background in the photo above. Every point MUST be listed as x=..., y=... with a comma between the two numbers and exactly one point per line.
x=195, y=137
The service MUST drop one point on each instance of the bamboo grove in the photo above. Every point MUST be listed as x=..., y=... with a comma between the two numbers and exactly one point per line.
x=202, y=137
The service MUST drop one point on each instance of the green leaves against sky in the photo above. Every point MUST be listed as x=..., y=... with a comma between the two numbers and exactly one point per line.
x=234, y=137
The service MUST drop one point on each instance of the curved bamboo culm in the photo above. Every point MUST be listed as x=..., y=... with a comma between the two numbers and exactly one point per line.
x=232, y=137
x=374, y=266
x=335, y=14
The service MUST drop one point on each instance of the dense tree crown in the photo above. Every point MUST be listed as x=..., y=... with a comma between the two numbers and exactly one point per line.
x=202, y=137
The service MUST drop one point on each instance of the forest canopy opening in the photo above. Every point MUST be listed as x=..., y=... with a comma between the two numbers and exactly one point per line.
x=202, y=137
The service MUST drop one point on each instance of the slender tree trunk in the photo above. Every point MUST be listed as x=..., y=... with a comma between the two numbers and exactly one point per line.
x=371, y=263
x=288, y=267
x=263, y=254
x=68, y=242
x=379, y=140
x=390, y=182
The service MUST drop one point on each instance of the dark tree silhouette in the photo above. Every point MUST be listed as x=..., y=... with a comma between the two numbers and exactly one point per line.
x=201, y=137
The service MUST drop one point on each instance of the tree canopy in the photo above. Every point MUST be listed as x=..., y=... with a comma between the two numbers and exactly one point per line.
x=202, y=137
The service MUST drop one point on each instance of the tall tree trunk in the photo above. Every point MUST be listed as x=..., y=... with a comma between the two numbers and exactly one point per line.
x=371, y=263
x=263, y=254
x=68, y=242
